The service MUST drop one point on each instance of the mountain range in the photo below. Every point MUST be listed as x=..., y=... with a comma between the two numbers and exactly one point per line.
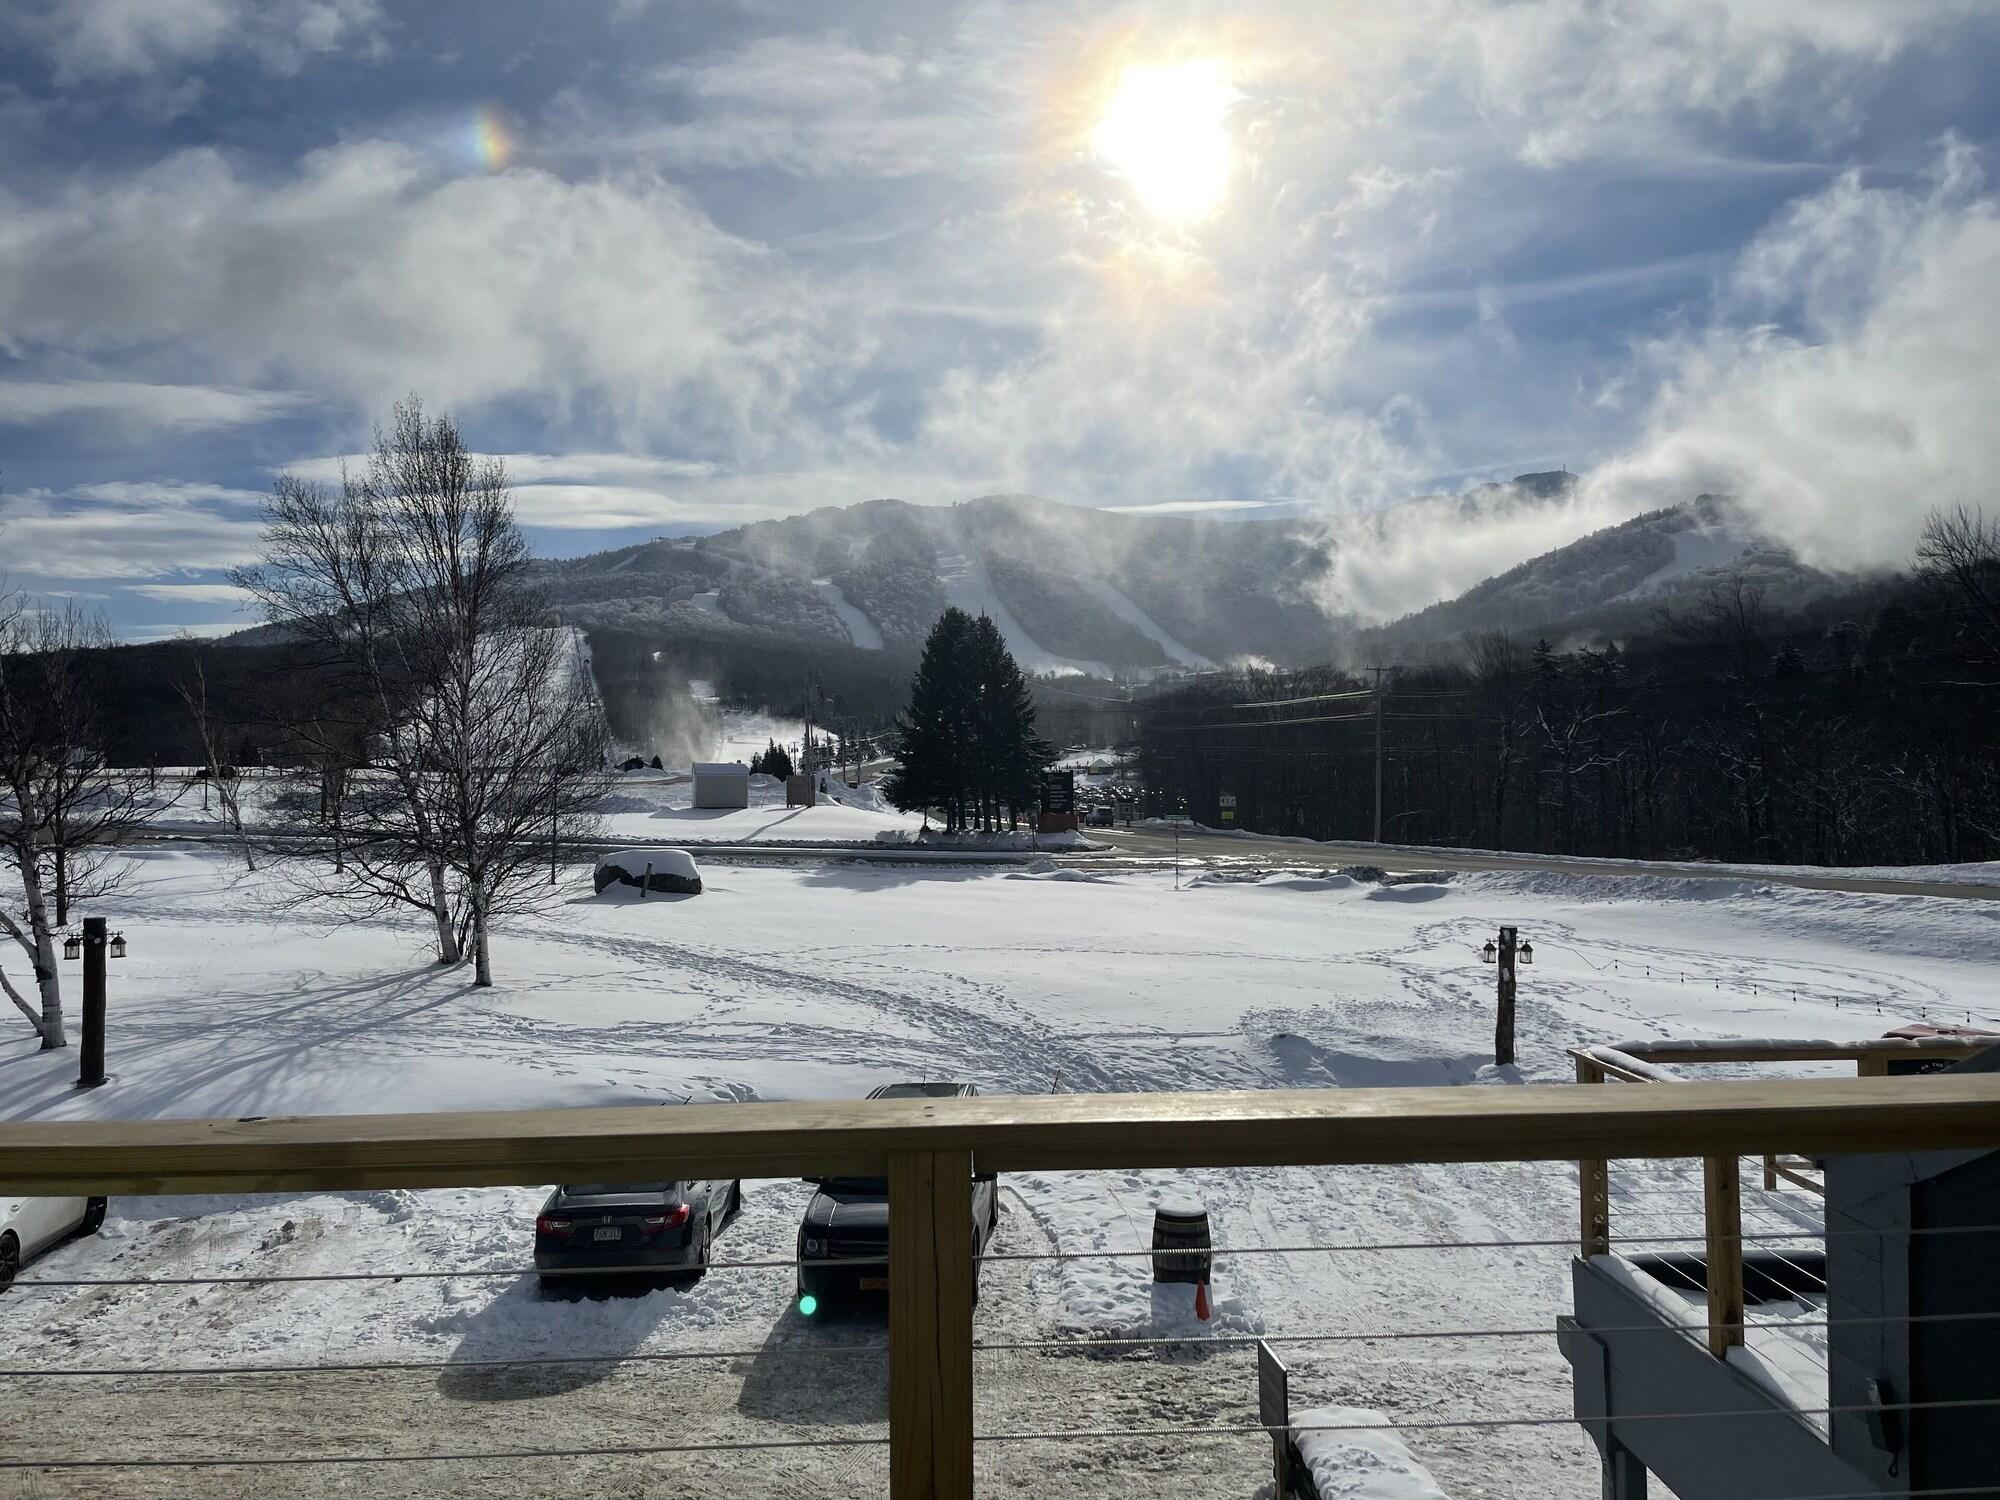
x=1116, y=595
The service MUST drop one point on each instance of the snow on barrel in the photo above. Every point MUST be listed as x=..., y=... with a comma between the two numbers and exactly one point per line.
x=648, y=870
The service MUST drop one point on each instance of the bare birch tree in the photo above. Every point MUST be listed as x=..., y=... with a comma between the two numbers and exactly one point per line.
x=190, y=685
x=471, y=734
x=63, y=812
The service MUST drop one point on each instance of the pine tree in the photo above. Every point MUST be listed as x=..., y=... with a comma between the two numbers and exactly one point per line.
x=935, y=731
x=773, y=760
x=1009, y=755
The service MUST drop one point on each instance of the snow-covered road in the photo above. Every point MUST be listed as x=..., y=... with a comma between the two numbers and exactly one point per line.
x=823, y=981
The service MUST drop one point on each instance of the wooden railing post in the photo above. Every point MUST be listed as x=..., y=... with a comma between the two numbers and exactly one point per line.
x=1593, y=1184
x=930, y=1325
x=1770, y=1173
x=1723, y=1202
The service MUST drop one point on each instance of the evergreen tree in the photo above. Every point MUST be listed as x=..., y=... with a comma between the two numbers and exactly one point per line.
x=773, y=760
x=934, y=732
x=1009, y=755
x=968, y=741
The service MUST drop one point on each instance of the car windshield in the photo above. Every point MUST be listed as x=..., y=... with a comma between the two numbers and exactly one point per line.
x=618, y=1189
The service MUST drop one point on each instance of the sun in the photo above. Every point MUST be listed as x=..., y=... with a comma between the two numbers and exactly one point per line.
x=1165, y=132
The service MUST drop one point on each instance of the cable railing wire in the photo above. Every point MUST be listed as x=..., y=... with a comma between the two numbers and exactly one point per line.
x=1058, y=1435
x=1081, y=1344
x=1760, y=1237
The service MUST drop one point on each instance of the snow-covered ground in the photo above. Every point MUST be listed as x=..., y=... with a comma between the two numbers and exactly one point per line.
x=1973, y=872
x=824, y=980
x=660, y=809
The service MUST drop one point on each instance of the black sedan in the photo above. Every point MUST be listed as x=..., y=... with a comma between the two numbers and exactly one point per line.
x=659, y=1229
x=844, y=1241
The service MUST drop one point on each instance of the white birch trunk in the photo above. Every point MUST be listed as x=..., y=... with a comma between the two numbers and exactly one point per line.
x=48, y=978
x=482, y=965
x=448, y=951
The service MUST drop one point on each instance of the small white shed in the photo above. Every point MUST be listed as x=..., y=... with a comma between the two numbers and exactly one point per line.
x=721, y=784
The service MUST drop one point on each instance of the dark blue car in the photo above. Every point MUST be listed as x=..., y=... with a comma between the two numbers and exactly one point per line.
x=844, y=1241
x=661, y=1230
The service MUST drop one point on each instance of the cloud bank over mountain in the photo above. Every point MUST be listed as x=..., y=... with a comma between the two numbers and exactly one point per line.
x=698, y=268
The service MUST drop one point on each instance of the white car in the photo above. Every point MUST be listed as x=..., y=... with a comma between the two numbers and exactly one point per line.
x=28, y=1226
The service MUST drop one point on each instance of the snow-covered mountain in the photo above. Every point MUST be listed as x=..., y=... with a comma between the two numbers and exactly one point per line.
x=1618, y=580
x=1108, y=594
x=1074, y=590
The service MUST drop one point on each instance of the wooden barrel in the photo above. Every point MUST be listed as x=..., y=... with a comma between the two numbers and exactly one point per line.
x=1181, y=1242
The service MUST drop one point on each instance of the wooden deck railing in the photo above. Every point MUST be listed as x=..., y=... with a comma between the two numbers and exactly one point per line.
x=928, y=1150
x=1722, y=1197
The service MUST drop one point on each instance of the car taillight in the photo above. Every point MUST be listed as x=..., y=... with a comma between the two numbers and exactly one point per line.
x=546, y=1225
x=673, y=1218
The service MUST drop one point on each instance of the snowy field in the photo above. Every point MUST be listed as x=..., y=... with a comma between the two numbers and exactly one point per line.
x=822, y=981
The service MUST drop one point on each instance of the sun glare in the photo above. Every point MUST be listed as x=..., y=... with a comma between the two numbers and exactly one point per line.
x=1165, y=132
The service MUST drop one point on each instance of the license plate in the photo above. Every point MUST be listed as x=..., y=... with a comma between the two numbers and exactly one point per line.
x=874, y=1283
x=608, y=1232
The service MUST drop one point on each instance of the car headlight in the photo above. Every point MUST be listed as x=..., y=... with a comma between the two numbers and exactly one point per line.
x=813, y=1247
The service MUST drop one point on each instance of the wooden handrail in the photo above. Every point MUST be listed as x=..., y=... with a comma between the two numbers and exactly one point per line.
x=1005, y=1133
x=1756, y=1050
x=928, y=1149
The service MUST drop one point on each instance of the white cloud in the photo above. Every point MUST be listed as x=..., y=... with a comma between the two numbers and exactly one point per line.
x=123, y=492
x=168, y=631
x=192, y=593
x=108, y=39
x=48, y=540
x=138, y=406
x=1842, y=430
x=1188, y=507
x=1571, y=79
x=369, y=275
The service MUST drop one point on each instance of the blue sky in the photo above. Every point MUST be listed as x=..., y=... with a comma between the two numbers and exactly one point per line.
x=688, y=266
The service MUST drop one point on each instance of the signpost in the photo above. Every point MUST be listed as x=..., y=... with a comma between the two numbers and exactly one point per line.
x=1228, y=808
x=1059, y=791
x=1274, y=1414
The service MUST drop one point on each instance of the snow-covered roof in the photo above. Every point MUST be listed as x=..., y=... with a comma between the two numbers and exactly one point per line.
x=720, y=768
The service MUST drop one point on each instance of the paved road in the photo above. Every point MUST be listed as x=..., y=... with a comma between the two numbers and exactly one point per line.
x=1158, y=844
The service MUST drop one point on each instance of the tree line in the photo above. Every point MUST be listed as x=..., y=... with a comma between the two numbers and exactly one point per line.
x=968, y=749
x=1858, y=732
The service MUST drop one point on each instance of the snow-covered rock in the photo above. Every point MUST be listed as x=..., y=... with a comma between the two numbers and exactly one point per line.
x=669, y=870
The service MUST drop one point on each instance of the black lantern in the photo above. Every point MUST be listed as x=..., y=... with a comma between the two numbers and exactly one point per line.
x=1527, y=953
x=72, y=946
x=118, y=945
x=1489, y=953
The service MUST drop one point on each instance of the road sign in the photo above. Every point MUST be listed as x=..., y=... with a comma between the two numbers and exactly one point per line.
x=1228, y=801
x=1059, y=791
x=1274, y=1413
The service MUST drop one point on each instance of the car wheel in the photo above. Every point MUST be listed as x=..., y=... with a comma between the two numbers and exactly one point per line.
x=10, y=1259
x=93, y=1215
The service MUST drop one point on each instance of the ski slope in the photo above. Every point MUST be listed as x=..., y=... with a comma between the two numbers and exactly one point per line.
x=965, y=584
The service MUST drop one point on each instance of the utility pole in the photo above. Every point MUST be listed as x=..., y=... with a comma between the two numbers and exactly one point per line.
x=1503, y=1028
x=806, y=746
x=1378, y=671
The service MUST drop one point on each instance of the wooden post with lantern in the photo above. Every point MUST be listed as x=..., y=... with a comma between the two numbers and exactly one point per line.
x=1505, y=954
x=93, y=947
x=90, y=1062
